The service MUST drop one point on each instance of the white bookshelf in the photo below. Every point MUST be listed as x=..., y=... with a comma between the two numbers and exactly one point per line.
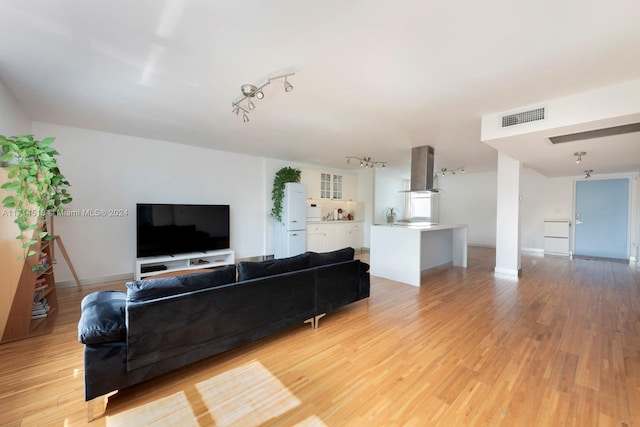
x=188, y=261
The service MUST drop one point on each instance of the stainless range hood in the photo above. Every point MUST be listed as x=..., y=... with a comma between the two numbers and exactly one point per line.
x=422, y=172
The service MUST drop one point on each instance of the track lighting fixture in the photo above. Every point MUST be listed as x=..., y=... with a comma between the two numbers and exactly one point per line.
x=367, y=162
x=587, y=173
x=445, y=171
x=245, y=104
x=579, y=155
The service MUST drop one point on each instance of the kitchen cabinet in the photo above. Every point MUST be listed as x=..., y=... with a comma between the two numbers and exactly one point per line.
x=318, y=237
x=355, y=235
x=349, y=187
x=329, y=185
x=311, y=178
x=333, y=235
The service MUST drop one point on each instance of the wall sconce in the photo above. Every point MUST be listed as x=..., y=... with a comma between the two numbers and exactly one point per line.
x=367, y=162
x=579, y=155
x=250, y=91
x=445, y=171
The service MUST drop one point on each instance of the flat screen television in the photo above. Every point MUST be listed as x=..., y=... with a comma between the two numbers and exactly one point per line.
x=169, y=229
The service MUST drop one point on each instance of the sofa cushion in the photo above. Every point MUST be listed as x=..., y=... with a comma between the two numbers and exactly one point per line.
x=144, y=290
x=102, y=318
x=324, y=258
x=253, y=270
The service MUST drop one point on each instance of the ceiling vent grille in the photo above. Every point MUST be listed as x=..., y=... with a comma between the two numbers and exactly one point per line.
x=523, y=117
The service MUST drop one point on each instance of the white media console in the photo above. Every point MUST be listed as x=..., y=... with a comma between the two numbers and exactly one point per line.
x=152, y=266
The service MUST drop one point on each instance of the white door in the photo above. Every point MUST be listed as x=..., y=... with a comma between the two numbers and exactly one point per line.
x=602, y=218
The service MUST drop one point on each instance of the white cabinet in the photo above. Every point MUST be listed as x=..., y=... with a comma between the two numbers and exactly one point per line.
x=330, y=236
x=349, y=187
x=556, y=237
x=317, y=237
x=151, y=266
x=311, y=178
x=329, y=185
x=355, y=235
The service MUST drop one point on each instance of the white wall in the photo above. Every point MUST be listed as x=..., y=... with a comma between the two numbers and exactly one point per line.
x=110, y=171
x=366, y=190
x=387, y=193
x=470, y=199
x=542, y=198
x=13, y=120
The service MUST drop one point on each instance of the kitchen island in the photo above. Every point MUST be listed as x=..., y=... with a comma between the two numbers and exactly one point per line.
x=402, y=252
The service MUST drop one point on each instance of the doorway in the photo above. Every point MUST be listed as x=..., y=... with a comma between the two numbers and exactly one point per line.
x=602, y=218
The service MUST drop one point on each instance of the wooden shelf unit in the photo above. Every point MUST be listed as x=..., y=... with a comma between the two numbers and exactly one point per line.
x=18, y=323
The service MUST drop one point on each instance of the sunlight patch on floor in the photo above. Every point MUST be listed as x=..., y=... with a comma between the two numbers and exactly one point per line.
x=312, y=421
x=246, y=396
x=173, y=410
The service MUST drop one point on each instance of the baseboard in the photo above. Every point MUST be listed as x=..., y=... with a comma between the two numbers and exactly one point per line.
x=534, y=250
x=96, y=280
x=482, y=245
x=508, y=271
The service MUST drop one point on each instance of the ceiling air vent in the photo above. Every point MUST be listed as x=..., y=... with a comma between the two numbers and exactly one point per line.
x=523, y=117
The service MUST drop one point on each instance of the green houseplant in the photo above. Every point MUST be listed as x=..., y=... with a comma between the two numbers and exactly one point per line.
x=284, y=175
x=37, y=185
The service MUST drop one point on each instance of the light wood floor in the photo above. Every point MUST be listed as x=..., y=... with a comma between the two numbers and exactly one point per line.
x=559, y=346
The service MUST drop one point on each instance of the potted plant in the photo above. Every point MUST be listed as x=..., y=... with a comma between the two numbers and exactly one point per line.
x=38, y=186
x=284, y=175
x=390, y=213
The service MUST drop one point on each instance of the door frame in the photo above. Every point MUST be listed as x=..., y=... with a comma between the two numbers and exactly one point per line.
x=632, y=209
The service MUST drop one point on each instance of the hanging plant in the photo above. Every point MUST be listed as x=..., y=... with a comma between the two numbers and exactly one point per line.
x=37, y=185
x=283, y=176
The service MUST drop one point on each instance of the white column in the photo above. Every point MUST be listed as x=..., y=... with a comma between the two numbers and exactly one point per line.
x=508, y=216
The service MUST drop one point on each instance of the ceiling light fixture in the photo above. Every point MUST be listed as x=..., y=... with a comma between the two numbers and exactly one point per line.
x=445, y=171
x=587, y=173
x=367, y=162
x=579, y=155
x=245, y=104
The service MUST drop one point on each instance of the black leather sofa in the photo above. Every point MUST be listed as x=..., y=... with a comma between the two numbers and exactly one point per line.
x=163, y=324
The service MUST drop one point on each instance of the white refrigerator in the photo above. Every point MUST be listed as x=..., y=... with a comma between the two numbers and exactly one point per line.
x=290, y=235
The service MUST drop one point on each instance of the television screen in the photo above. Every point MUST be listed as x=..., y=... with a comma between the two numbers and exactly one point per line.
x=169, y=229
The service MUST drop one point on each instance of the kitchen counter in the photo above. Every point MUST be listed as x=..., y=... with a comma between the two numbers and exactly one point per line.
x=404, y=251
x=340, y=221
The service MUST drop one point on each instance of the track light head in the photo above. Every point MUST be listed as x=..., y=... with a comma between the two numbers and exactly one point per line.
x=248, y=90
x=366, y=162
x=252, y=91
x=287, y=85
x=445, y=171
x=579, y=155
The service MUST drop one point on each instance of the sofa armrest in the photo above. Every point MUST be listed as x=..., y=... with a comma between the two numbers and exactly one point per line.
x=102, y=318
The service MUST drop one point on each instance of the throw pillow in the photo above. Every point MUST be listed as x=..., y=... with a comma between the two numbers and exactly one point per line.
x=252, y=270
x=144, y=290
x=102, y=318
x=324, y=258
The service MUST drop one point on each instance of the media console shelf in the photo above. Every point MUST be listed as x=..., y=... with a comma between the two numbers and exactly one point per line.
x=152, y=266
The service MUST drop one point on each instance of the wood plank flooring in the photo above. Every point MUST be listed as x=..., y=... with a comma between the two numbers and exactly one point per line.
x=558, y=346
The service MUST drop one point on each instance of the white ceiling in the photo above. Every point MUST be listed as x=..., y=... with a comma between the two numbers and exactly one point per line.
x=373, y=78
